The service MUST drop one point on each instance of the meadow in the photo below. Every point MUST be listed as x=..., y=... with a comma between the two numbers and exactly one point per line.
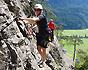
x=70, y=48
x=76, y=32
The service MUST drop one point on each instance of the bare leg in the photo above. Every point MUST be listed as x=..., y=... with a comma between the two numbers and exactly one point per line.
x=39, y=49
x=42, y=52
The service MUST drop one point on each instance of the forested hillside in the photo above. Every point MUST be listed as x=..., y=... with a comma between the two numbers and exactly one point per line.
x=73, y=13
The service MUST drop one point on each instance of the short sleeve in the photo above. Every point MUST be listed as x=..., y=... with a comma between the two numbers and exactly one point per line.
x=41, y=17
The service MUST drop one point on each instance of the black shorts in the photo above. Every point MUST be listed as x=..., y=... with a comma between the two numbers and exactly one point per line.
x=42, y=40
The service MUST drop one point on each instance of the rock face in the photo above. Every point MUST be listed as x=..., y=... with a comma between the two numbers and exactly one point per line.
x=18, y=49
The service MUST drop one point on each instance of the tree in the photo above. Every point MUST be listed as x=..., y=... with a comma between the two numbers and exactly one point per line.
x=59, y=30
x=75, y=41
x=83, y=61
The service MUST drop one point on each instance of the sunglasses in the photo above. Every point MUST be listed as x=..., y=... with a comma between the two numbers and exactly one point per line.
x=37, y=9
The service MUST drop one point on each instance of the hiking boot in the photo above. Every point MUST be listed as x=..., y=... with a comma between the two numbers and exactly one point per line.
x=41, y=64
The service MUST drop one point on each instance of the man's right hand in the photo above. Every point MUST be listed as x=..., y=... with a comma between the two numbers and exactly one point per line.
x=20, y=19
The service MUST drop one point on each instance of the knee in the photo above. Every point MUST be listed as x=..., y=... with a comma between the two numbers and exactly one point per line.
x=38, y=48
x=44, y=49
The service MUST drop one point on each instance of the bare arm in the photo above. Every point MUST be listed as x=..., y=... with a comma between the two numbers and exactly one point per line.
x=30, y=20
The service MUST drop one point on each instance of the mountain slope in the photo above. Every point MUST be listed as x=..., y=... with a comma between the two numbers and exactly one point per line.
x=18, y=50
x=73, y=13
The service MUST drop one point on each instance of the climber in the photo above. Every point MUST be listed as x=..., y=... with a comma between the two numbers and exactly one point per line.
x=42, y=36
x=52, y=28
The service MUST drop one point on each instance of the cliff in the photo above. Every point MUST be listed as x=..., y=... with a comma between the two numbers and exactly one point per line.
x=18, y=50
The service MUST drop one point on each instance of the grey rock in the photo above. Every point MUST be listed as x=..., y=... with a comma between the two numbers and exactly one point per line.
x=19, y=52
x=7, y=1
x=2, y=65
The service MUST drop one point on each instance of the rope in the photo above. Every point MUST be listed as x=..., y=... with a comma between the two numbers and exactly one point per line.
x=8, y=24
x=29, y=30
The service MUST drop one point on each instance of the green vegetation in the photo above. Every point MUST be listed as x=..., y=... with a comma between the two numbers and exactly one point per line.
x=83, y=61
x=73, y=13
x=76, y=32
x=70, y=48
x=81, y=49
x=80, y=33
x=57, y=64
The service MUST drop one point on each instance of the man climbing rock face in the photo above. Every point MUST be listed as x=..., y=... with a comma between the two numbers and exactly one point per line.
x=42, y=36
